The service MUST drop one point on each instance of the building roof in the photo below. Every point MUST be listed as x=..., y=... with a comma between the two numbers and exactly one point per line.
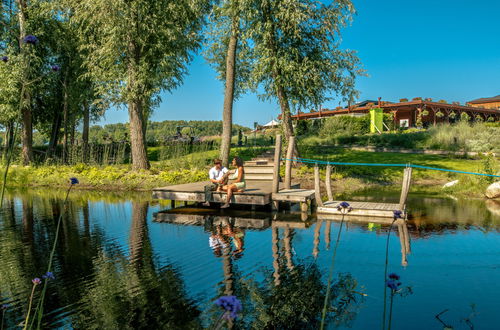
x=486, y=100
x=271, y=123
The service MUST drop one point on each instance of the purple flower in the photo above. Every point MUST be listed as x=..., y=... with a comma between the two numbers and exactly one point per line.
x=74, y=181
x=393, y=285
x=55, y=68
x=231, y=305
x=394, y=276
x=31, y=39
x=36, y=281
x=4, y=306
x=5, y=59
x=397, y=214
x=49, y=275
x=344, y=205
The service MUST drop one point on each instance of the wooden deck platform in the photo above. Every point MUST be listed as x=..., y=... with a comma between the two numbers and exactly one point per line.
x=256, y=193
x=362, y=209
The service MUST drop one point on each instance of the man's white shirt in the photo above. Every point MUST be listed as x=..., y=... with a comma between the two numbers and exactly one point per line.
x=215, y=174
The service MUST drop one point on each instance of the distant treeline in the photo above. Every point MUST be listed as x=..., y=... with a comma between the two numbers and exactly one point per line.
x=157, y=132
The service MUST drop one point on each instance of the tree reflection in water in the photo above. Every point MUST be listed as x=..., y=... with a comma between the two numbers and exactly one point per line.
x=292, y=294
x=132, y=293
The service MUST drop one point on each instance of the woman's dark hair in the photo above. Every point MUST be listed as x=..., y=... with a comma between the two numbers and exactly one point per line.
x=238, y=161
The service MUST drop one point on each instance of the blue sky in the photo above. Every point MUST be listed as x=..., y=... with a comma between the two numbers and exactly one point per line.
x=443, y=49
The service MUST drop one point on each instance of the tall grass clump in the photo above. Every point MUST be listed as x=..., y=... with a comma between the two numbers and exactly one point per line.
x=463, y=136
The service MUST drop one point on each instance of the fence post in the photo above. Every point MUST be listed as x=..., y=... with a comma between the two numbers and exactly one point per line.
x=328, y=182
x=288, y=162
x=406, y=187
x=317, y=191
x=276, y=169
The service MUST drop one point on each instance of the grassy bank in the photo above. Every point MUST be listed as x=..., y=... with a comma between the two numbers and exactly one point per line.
x=188, y=168
x=351, y=178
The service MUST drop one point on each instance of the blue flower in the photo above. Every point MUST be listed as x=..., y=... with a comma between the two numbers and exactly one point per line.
x=344, y=205
x=49, y=275
x=4, y=306
x=55, y=68
x=397, y=214
x=231, y=305
x=30, y=39
x=393, y=285
x=5, y=59
x=74, y=181
x=394, y=276
x=36, y=281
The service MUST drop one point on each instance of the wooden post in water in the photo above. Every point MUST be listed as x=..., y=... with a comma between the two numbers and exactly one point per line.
x=276, y=169
x=328, y=182
x=406, y=187
x=288, y=162
x=317, y=190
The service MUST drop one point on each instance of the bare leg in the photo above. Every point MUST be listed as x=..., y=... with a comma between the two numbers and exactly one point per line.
x=229, y=189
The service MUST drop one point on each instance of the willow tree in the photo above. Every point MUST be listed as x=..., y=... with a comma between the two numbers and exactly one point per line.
x=297, y=54
x=228, y=52
x=138, y=48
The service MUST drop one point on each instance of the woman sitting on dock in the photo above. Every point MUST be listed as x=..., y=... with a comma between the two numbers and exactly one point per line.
x=238, y=185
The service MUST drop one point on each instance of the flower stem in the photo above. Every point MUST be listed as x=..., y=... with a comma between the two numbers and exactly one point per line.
x=385, y=274
x=327, y=296
x=3, y=316
x=29, y=307
x=390, y=312
x=39, y=308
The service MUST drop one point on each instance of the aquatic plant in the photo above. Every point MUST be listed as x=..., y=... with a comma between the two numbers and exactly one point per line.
x=36, y=281
x=49, y=275
x=344, y=208
x=5, y=59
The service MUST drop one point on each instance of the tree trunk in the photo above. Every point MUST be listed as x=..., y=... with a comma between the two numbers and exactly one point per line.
x=54, y=135
x=227, y=115
x=137, y=136
x=65, y=120
x=27, y=134
x=85, y=133
x=25, y=103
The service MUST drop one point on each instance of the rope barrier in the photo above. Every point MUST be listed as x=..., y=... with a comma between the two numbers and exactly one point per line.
x=322, y=162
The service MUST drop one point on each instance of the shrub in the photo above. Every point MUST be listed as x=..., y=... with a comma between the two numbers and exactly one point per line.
x=345, y=125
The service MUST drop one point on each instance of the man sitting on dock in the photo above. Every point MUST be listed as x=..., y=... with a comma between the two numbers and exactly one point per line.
x=217, y=177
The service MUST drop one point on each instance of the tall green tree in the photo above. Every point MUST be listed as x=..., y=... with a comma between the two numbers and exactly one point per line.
x=138, y=48
x=228, y=53
x=297, y=54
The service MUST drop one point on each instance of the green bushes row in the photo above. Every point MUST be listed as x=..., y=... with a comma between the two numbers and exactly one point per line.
x=462, y=136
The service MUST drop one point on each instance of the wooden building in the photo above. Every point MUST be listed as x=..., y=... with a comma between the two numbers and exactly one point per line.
x=486, y=102
x=408, y=113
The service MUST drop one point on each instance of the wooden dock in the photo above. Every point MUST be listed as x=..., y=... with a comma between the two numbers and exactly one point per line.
x=366, y=209
x=256, y=193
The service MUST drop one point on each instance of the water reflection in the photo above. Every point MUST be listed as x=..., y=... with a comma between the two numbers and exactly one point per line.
x=117, y=266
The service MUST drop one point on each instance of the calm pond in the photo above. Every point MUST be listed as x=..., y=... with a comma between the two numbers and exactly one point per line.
x=120, y=265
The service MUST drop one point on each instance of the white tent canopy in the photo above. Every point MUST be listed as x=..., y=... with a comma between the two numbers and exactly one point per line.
x=272, y=123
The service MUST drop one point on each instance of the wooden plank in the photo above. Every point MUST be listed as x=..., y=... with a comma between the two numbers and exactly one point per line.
x=292, y=195
x=288, y=162
x=317, y=187
x=362, y=209
x=328, y=182
x=277, y=160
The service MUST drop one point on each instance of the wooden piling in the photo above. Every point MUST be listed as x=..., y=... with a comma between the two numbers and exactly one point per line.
x=328, y=182
x=406, y=187
x=276, y=170
x=317, y=190
x=288, y=162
